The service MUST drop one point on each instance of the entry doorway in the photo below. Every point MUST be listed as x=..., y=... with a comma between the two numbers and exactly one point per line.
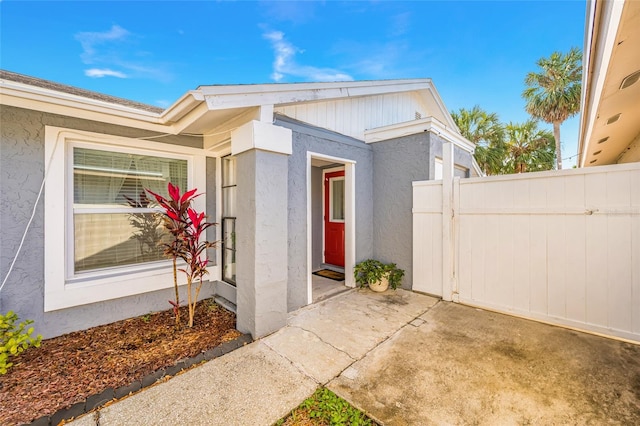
x=331, y=225
x=333, y=188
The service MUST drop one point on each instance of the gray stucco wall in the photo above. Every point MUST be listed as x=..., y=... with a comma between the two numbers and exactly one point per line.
x=21, y=174
x=308, y=138
x=396, y=164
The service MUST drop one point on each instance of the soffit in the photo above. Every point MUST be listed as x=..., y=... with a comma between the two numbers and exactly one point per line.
x=625, y=60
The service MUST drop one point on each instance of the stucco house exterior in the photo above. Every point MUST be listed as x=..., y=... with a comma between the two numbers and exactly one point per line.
x=278, y=167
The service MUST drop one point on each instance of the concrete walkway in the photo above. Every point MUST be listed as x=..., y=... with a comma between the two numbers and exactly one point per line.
x=405, y=359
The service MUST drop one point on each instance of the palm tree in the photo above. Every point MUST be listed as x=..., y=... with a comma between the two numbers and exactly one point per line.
x=553, y=93
x=529, y=149
x=485, y=130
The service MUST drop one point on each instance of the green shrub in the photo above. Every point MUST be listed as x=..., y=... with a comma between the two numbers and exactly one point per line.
x=14, y=339
x=369, y=271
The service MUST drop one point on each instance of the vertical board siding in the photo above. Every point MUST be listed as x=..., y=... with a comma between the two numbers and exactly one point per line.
x=352, y=116
x=560, y=247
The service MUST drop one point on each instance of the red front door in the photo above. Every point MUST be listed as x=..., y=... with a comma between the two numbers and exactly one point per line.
x=334, y=218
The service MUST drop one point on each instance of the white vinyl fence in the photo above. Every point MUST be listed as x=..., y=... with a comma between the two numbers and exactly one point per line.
x=560, y=247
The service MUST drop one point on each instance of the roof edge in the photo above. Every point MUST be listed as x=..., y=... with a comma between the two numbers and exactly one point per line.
x=427, y=124
x=33, y=84
x=304, y=86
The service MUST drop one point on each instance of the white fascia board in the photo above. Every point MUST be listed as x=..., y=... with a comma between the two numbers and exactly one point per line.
x=590, y=24
x=239, y=96
x=602, y=40
x=173, y=120
x=428, y=124
x=45, y=100
x=183, y=106
x=263, y=136
x=436, y=96
x=288, y=87
x=15, y=89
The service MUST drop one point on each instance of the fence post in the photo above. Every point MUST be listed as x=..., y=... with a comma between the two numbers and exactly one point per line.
x=447, y=221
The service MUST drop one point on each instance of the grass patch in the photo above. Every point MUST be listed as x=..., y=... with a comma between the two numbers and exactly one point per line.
x=325, y=408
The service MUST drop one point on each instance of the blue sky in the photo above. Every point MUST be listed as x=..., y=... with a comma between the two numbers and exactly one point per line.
x=476, y=52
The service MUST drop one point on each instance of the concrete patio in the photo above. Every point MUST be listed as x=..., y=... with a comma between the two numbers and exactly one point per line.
x=405, y=359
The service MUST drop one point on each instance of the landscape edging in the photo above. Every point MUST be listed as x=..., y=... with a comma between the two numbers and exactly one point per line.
x=96, y=401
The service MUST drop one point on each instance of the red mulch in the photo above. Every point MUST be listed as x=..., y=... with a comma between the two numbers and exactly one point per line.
x=67, y=369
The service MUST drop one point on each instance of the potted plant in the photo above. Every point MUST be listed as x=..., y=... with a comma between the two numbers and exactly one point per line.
x=377, y=275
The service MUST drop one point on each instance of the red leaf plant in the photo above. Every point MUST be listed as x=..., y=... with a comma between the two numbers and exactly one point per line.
x=186, y=226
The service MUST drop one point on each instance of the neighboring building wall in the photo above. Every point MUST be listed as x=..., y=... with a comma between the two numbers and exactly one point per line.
x=396, y=164
x=21, y=174
x=307, y=138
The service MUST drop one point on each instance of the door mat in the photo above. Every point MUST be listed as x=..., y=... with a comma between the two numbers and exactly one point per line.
x=328, y=273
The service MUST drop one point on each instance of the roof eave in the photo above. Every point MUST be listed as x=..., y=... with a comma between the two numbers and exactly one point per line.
x=592, y=21
x=241, y=96
x=46, y=100
x=187, y=103
x=603, y=21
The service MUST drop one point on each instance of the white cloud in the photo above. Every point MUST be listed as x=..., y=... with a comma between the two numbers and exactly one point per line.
x=285, y=64
x=391, y=59
x=104, y=72
x=90, y=40
x=163, y=103
x=115, y=53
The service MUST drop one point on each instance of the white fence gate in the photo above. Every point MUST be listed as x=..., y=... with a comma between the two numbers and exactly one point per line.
x=560, y=247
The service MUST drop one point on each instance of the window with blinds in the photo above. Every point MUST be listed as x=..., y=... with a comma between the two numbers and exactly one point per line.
x=115, y=222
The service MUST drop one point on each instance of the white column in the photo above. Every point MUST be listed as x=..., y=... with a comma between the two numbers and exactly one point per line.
x=262, y=151
x=447, y=222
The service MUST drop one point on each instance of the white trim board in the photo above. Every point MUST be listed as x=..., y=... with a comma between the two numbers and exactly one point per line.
x=428, y=124
x=60, y=289
x=350, y=220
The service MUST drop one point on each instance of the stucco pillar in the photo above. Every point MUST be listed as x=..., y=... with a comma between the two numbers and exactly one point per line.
x=261, y=225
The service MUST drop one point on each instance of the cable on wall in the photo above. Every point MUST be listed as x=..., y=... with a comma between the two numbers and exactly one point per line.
x=33, y=214
x=39, y=196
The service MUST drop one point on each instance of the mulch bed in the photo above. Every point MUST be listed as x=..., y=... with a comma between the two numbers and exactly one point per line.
x=68, y=369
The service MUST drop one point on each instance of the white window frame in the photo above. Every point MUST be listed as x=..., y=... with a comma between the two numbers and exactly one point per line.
x=331, y=180
x=223, y=216
x=71, y=275
x=61, y=288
